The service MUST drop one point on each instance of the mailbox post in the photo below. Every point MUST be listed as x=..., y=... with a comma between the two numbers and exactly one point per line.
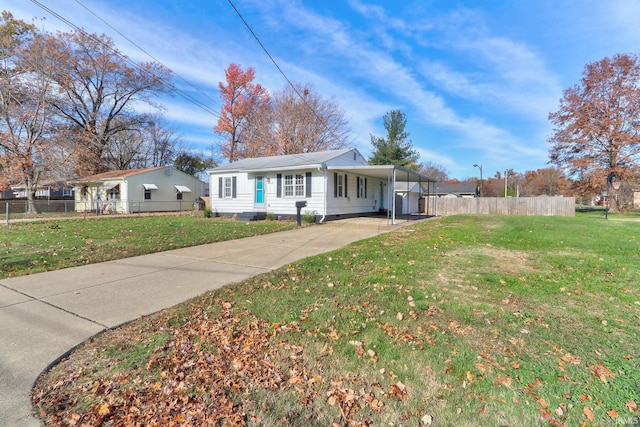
x=299, y=205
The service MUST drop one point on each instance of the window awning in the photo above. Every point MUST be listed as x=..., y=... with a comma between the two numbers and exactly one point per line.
x=150, y=186
x=110, y=185
x=183, y=189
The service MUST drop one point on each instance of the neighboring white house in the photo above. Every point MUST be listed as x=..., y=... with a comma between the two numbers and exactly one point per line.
x=159, y=189
x=332, y=184
x=45, y=190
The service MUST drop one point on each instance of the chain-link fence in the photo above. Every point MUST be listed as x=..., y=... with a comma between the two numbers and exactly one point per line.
x=43, y=209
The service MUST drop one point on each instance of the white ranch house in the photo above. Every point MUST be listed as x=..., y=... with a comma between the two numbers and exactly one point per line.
x=158, y=189
x=332, y=184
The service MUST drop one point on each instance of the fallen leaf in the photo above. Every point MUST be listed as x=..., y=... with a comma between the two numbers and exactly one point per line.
x=104, y=409
x=427, y=420
x=612, y=413
x=483, y=368
x=588, y=413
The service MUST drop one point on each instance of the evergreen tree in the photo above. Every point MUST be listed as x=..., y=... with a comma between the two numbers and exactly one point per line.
x=396, y=149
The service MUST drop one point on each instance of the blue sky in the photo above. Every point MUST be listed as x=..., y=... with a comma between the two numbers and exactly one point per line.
x=475, y=79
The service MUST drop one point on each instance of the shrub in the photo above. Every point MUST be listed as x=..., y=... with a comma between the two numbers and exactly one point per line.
x=208, y=213
x=309, y=217
x=271, y=216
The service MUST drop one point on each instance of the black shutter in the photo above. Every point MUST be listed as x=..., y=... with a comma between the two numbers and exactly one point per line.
x=279, y=185
x=307, y=184
x=358, y=187
x=365, y=188
x=335, y=184
x=234, y=181
x=345, y=185
x=220, y=188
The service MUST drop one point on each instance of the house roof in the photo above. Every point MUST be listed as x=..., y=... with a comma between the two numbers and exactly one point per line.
x=457, y=188
x=317, y=159
x=279, y=162
x=117, y=174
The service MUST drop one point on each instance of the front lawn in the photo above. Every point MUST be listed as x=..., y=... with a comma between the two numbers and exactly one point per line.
x=32, y=247
x=460, y=321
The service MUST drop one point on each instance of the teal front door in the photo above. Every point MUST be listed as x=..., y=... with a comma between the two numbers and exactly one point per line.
x=259, y=191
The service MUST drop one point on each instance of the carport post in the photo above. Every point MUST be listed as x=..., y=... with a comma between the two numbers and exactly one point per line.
x=7, y=212
x=393, y=198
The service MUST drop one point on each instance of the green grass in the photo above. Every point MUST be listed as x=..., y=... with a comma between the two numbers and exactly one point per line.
x=32, y=247
x=483, y=321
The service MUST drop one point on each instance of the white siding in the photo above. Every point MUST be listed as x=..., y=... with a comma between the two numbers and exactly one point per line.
x=245, y=194
x=132, y=192
x=352, y=204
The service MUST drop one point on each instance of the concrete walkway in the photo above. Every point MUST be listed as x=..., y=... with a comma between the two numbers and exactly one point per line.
x=44, y=315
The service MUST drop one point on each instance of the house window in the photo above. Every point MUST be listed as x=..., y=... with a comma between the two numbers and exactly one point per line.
x=178, y=196
x=114, y=193
x=340, y=186
x=147, y=194
x=362, y=187
x=84, y=193
x=294, y=185
x=227, y=187
x=299, y=186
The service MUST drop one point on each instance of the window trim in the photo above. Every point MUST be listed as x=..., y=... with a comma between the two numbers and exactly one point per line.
x=294, y=185
x=227, y=187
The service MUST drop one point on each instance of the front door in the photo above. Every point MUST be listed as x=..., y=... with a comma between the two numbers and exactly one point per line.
x=259, y=202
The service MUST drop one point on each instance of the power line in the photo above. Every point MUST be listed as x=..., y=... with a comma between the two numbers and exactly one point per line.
x=295, y=89
x=146, y=53
x=182, y=93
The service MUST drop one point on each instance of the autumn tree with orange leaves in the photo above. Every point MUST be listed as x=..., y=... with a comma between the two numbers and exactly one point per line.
x=295, y=120
x=242, y=99
x=597, y=125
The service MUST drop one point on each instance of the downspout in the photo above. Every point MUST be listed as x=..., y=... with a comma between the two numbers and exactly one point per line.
x=323, y=169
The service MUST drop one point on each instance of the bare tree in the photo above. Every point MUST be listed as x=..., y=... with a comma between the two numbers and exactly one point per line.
x=435, y=171
x=304, y=121
x=97, y=89
x=28, y=149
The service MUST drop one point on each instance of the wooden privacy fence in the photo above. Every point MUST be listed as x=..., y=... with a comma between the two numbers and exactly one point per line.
x=544, y=206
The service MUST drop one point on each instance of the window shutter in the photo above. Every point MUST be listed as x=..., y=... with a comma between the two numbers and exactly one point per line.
x=307, y=184
x=358, y=187
x=345, y=185
x=335, y=184
x=279, y=185
x=234, y=181
x=220, y=188
x=365, y=188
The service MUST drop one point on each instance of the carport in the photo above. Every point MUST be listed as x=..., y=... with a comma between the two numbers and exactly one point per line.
x=396, y=178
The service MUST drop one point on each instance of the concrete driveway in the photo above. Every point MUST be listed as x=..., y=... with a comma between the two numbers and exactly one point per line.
x=42, y=316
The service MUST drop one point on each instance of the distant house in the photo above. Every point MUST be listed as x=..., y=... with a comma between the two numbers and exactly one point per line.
x=457, y=190
x=158, y=189
x=45, y=190
x=330, y=185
